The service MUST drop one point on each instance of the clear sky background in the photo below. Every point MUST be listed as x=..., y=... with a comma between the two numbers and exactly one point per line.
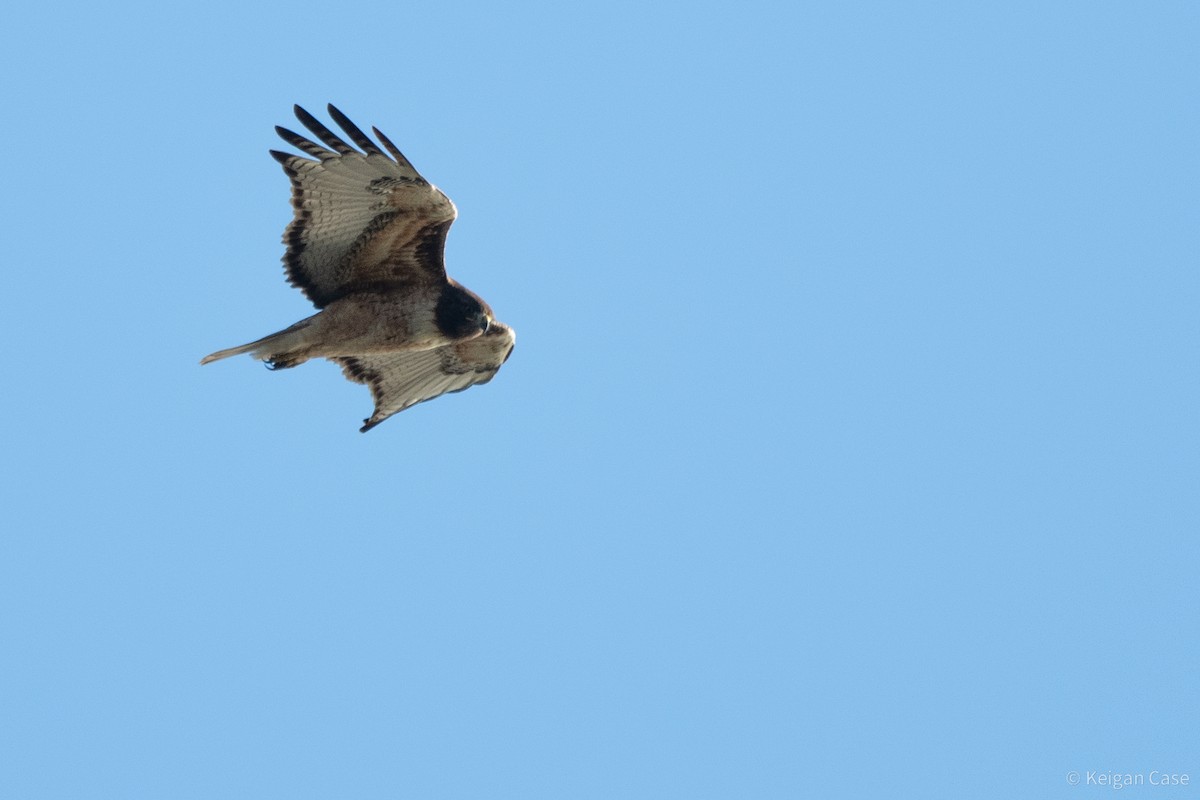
x=849, y=447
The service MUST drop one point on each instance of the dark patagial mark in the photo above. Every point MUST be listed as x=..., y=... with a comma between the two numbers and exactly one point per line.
x=430, y=246
x=386, y=184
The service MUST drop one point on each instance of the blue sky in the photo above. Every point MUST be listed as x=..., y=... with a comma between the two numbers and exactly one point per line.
x=849, y=447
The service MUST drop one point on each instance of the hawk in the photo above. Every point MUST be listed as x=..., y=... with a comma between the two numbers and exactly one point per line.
x=366, y=247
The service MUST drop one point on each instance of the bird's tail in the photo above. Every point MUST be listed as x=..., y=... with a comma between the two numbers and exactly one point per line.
x=279, y=350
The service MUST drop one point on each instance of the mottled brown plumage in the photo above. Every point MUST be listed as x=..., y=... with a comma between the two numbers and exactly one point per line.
x=366, y=247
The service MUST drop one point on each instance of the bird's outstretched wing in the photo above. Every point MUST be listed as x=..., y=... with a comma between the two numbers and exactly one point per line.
x=364, y=220
x=401, y=380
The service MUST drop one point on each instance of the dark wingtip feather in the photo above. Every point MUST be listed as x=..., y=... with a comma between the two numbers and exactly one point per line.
x=354, y=132
x=324, y=134
x=395, y=151
x=300, y=143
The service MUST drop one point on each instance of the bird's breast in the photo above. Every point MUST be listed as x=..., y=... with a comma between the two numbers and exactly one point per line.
x=379, y=323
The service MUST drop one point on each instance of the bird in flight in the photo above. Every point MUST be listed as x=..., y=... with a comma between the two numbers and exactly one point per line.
x=366, y=247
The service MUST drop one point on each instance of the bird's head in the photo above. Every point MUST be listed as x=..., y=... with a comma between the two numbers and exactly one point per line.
x=462, y=314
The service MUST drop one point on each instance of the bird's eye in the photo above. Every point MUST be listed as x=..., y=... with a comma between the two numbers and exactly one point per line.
x=485, y=323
